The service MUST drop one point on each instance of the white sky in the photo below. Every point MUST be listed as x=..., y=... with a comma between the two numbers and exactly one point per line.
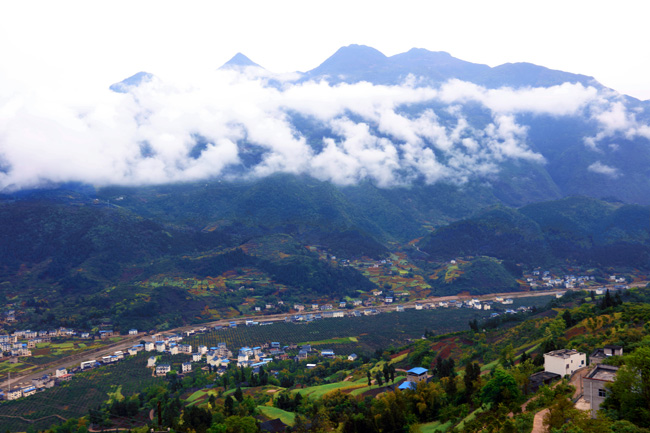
x=78, y=46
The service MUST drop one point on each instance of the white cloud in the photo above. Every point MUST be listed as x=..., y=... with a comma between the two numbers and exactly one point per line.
x=364, y=131
x=561, y=100
x=600, y=168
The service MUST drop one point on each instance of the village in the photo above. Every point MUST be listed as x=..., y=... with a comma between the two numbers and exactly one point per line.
x=21, y=342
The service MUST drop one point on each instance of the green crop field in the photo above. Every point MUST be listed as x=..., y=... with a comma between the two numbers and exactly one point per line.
x=370, y=332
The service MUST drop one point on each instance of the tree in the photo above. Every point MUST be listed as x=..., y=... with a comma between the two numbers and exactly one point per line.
x=472, y=373
x=562, y=413
x=522, y=373
x=507, y=358
x=630, y=392
x=501, y=388
x=568, y=319
x=241, y=424
x=239, y=395
x=229, y=405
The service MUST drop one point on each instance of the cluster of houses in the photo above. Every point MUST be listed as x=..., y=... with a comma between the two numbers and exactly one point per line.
x=15, y=346
x=21, y=342
x=220, y=357
x=39, y=384
x=545, y=280
x=557, y=364
x=593, y=377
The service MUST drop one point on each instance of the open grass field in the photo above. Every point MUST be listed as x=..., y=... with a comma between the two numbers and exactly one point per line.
x=319, y=391
x=435, y=427
x=270, y=412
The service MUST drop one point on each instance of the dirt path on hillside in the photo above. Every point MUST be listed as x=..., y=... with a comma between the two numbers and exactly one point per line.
x=538, y=422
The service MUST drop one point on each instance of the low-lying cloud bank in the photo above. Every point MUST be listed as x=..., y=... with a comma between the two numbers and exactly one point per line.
x=233, y=124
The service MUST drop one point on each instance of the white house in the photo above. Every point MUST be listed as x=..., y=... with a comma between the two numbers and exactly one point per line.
x=149, y=346
x=186, y=367
x=151, y=362
x=87, y=364
x=14, y=394
x=60, y=372
x=28, y=390
x=163, y=369
x=564, y=361
x=133, y=332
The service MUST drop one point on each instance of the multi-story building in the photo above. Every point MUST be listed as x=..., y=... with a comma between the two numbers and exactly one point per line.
x=564, y=361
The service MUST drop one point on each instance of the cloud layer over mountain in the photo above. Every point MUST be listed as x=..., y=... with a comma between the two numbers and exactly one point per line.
x=248, y=123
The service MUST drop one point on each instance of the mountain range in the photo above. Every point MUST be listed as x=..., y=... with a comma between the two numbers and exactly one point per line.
x=363, y=157
x=528, y=132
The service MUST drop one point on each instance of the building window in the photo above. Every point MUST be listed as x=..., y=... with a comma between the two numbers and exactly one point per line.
x=602, y=393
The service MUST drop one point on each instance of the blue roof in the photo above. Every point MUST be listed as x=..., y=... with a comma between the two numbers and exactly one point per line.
x=407, y=385
x=418, y=370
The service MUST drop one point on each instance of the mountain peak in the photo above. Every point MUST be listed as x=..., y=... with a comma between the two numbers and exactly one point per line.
x=133, y=81
x=350, y=61
x=239, y=61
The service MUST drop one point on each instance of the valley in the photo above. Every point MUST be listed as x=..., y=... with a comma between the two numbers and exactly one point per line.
x=381, y=244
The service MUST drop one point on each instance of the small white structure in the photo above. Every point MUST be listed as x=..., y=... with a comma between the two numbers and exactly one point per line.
x=14, y=394
x=88, y=364
x=149, y=346
x=60, y=372
x=186, y=367
x=352, y=357
x=163, y=369
x=151, y=362
x=564, y=361
x=133, y=332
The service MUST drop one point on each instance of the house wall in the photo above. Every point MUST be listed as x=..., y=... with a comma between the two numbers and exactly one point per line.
x=564, y=366
x=594, y=393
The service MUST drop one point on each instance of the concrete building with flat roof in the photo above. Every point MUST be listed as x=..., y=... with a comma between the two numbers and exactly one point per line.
x=564, y=361
x=594, y=386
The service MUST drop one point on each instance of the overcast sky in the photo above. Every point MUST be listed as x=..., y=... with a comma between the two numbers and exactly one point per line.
x=78, y=46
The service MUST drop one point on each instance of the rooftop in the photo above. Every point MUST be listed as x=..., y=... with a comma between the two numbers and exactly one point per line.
x=563, y=353
x=602, y=372
x=418, y=371
x=407, y=385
